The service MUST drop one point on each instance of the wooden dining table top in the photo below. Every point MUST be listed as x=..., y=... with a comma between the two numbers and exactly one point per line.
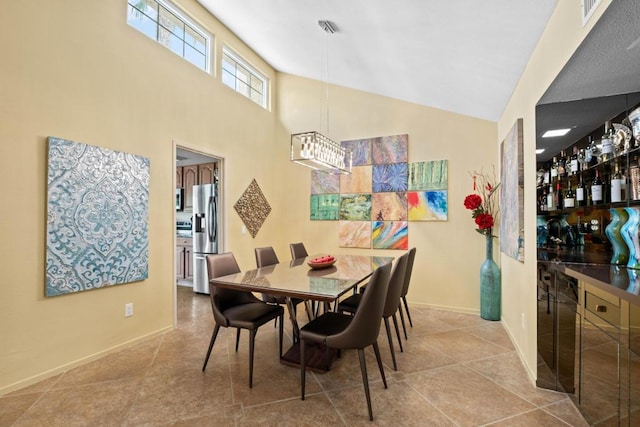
x=296, y=279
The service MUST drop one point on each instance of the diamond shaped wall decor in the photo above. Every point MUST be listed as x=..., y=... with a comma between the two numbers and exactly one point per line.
x=253, y=208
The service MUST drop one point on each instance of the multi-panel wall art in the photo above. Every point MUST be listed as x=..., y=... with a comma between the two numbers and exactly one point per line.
x=512, y=194
x=97, y=217
x=382, y=194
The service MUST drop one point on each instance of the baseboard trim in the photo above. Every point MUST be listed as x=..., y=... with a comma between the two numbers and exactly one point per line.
x=79, y=362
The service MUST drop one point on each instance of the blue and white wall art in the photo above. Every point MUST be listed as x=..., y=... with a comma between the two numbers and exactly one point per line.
x=97, y=217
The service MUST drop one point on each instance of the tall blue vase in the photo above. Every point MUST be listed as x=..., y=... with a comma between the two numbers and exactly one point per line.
x=490, y=285
x=619, y=218
x=629, y=233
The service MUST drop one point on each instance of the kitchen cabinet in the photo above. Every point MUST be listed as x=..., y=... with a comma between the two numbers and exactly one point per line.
x=188, y=176
x=184, y=259
x=189, y=179
x=179, y=177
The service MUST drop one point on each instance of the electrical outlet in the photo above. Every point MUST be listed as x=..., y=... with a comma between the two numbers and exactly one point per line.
x=128, y=309
x=524, y=321
x=243, y=230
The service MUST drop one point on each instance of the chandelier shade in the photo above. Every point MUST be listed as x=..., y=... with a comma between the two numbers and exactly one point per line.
x=314, y=150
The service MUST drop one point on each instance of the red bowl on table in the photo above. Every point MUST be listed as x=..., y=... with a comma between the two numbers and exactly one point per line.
x=321, y=261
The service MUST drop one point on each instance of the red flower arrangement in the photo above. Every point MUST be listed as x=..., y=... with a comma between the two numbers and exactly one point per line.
x=482, y=204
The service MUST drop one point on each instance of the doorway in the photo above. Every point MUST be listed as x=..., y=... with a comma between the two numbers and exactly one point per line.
x=195, y=171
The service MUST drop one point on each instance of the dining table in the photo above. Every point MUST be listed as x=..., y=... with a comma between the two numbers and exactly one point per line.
x=302, y=280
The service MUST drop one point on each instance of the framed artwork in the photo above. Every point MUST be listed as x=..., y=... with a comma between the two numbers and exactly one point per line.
x=253, y=208
x=431, y=175
x=390, y=149
x=389, y=206
x=324, y=207
x=512, y=193
x=354, y=234
x=390, y=235
x=360, y=149
x=355, y=207
x=358, y=181
x=97, y=217
x=427, y=205
x=390, y=177
x=324, y=183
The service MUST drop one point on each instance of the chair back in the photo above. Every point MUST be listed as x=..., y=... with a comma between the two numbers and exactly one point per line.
x=365, y=326
x=266, y=256
x=395, y=286
x=221, y=298
x=298, y=251
x=407, y=275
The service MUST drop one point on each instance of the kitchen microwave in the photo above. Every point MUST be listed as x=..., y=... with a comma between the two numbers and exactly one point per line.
x=179, y=199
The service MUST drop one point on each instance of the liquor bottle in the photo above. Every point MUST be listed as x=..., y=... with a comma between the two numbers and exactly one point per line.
x=580, y=193
x=542, y=202
x=592, y=153
x=551, y=202
x=616, y=186
x=547, y=175
x=634, y=179
x=574, y=165
x=606, y=150
x=596, y=189
x=569, y=197
x=559, y=199
x=562, y=164
x=554, y=169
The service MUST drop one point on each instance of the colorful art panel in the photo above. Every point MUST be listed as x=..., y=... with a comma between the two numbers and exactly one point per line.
x=324, y=183
x=253, y=208
x=97, y=217
x=361, y=149
x=432, y=175
x=324, y=207
x=512, y=194
x=389, y=178
x=354, y=234
x=427, y=205
x=355, y=207
x=390, y=235
x=389, y=206
x=390, y=149
x=358, y=181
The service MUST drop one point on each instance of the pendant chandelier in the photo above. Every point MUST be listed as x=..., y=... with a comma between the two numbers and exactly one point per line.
x=314, y=150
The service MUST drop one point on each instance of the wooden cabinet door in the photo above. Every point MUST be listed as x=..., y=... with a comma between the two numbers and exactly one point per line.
x=188, y=263
x=178, y=176
x=189, y=179
x=206, y=173
x=179, y=262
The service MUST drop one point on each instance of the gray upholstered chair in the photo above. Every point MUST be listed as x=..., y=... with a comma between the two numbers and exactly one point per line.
x=342, y=331
x=237, y=309
x=405, y=290
x=392, y=302
x=298, y=251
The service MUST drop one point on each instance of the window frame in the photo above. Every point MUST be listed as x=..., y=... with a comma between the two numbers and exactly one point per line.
x=253, y=73
x=189, y=24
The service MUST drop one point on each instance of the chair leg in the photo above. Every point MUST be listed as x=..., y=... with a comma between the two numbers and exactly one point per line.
x=376, y=350
x=406, y=307
x=393, y=353
x=303, y=368
x=281, y=333
x=237, y=338
x=308, y=309
x=213, y=340
x=365, y=381
x=404, y=327
x=252, y=340
x=395, y=323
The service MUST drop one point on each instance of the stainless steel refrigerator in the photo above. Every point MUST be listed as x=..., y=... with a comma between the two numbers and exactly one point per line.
x=205, y=233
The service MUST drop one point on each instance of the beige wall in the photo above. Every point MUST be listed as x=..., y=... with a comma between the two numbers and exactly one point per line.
x=562, y=36
x=76, y=70
x=449, y=254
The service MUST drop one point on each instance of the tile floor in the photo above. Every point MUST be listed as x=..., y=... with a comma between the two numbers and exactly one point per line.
x=456, y=370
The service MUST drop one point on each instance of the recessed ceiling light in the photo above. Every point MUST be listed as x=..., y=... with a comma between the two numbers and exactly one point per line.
x=556, y=132
x=539, y=150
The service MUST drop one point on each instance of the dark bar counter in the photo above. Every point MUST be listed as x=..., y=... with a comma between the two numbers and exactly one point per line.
x=594, y=268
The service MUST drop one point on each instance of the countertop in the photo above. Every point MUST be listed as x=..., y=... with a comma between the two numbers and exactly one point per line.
x=594, y=268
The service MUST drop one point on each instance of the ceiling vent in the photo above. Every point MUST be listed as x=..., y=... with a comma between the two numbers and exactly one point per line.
x=588, y=7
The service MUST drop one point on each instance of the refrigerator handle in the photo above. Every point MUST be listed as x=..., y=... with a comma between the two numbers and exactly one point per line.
x=212, y=226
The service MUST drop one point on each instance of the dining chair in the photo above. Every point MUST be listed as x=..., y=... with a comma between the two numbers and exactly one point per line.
x=392, y=301
x=265, y=257
x=405, y=290
x=344, y=332
x=298, y=251
x=237, y=309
